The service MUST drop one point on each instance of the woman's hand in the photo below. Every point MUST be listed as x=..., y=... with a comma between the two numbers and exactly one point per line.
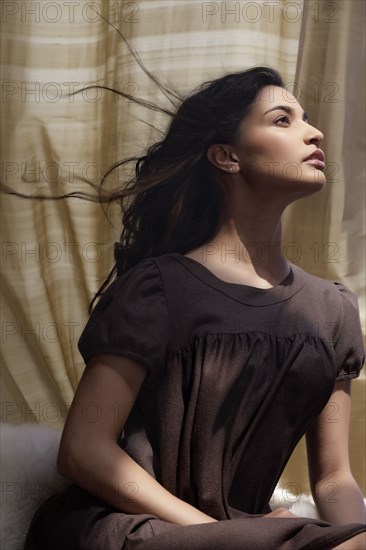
x=281, y=513
x=355, y=543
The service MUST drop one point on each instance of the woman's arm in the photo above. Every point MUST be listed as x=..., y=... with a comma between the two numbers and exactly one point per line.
x=90, y=457
x=336, y=494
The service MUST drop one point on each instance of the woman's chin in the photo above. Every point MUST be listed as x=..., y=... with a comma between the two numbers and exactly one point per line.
x=303, y=187
x=311, y=175
x=314, y=174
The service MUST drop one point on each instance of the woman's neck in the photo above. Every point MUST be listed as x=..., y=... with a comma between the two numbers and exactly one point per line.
x=246, y=249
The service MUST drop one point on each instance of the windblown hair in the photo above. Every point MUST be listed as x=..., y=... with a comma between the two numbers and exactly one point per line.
x=177, y=197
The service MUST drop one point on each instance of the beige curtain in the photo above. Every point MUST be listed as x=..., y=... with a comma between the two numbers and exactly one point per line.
x=55, y=254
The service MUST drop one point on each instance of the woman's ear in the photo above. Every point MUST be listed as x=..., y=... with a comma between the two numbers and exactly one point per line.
x=221, y=157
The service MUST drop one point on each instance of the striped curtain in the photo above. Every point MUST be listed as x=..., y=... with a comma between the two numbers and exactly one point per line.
x=56, y=254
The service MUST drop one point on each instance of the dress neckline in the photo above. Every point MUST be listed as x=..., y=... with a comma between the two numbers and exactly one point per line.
x=247, y=294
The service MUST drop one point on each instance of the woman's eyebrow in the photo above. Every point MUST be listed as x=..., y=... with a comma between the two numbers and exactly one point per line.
x=288, y=110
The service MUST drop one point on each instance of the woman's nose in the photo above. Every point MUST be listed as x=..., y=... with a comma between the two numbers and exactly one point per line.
x=314, y=135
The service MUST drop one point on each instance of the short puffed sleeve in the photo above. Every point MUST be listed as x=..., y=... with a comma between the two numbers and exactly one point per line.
x=348, y=344
x=131, y=319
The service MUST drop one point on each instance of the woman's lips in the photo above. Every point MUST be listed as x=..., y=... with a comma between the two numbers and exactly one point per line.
x=316, y=162
x=316, y=158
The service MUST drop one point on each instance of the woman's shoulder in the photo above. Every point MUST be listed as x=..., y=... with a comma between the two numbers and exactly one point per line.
x=135, y=285
x=143, y=270
x=328, y=290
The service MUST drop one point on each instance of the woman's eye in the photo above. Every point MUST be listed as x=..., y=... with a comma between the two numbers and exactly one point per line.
x=282, y=118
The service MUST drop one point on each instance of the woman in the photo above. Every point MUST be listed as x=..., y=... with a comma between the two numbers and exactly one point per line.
x=211, y=355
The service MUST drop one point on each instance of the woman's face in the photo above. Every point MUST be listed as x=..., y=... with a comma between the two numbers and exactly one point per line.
x=273, y=145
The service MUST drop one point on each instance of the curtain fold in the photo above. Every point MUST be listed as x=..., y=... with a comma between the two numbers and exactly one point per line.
x=56, y=254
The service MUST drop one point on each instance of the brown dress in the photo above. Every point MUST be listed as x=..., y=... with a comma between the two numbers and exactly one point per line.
x=236, y=376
